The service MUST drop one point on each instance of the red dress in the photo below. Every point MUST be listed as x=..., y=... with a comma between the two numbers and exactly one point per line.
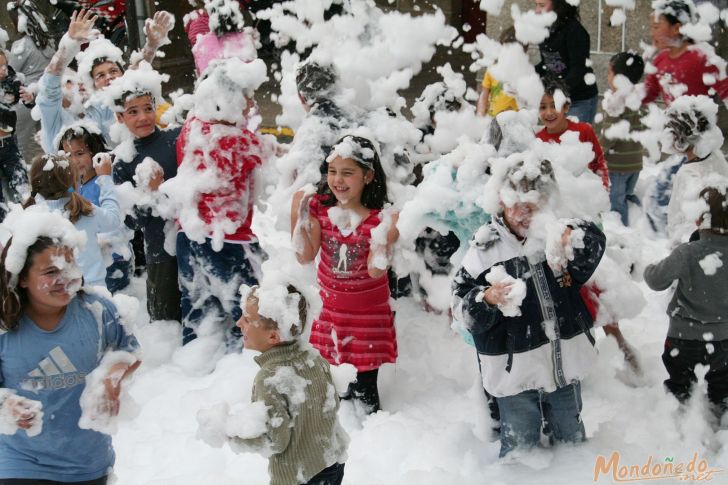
x=356, y=324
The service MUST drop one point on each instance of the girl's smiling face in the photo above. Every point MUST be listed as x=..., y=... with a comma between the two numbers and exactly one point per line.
x=347, y=180
x=52, y=279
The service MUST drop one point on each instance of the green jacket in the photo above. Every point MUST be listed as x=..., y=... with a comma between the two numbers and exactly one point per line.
x=623, y=155
x=304, y=435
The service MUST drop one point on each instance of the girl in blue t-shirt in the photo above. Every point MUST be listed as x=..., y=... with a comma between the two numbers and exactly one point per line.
x=51, y=337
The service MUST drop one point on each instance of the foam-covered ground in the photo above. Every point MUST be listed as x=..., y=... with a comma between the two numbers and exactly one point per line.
x=433, y=429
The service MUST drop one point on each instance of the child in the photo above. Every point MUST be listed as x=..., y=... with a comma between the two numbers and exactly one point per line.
x=82, y=144
x=531, y=366
x=356, y=324
x=307, y=443
x=12, y=167
x=493, y=99
x=136, y=110
x=680, y=67
x=53, y=335
x=55, y=179
x=216, y=247
x=691, y=130
x=698, y=332
x=624, y=155
x=552, y=113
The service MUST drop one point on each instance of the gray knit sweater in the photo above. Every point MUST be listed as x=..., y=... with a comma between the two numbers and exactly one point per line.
x=304, y=435
x=699, y=308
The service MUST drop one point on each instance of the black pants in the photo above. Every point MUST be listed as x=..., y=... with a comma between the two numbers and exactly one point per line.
x=26, y=481
x=680, y=358
x=332, y=475
x=365, y=390
x=12, y=170
x=163, y=295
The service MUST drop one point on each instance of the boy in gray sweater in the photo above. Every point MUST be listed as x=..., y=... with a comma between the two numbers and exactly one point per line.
x=698, y=332
x=304, y=440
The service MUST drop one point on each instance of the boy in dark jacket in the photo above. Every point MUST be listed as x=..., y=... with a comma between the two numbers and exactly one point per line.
x=12, y=168
x=532, y=359
x=698, y=332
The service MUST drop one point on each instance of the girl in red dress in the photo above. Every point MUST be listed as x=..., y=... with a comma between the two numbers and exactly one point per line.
x=356, y=324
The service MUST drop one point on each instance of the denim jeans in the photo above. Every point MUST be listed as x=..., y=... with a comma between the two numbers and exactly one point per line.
x=659, y=199
x=524, y=415
x=584, y=109
x=621, y=189
x=210, y=282
x=34, y=481
x=332, y=475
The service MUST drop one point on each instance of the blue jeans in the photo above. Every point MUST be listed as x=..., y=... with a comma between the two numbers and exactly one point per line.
x=332, y=475
x=117, y=275
x=584, y=109
x=656, y=209
x=621, y=191
x=210, y=282
x=523, y=416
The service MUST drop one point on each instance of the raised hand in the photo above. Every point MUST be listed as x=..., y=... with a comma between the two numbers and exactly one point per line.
x=157, y=28
x=81, y=26
x=498, y=293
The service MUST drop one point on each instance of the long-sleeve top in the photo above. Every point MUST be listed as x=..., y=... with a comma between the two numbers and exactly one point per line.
x=622, y=155
x=699, y=308
x=549, y=345
x=161, y=147
x=686, y=186
x=26, y=58
x=52, y=115
x=690, y=69
x=565, y=53
x=586, y=135
x=106, y=217
x=304, y=434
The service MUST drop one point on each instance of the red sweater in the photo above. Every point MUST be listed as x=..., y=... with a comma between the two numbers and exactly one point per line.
x=687, y=69
x=234, y=152
x=586, y=135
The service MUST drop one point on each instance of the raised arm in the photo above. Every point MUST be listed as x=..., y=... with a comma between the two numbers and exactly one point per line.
x=305, y=230
x=80, y=30
x=155, y=30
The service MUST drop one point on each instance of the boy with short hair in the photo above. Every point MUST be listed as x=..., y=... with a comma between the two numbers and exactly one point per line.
x=307, y=442
x=624, y=155
x=532, y=360
x=698, y=332
x=136, y=110
x=552, y=113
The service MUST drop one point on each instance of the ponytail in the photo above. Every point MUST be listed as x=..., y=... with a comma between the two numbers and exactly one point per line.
x=10, y=303
x=78, y=206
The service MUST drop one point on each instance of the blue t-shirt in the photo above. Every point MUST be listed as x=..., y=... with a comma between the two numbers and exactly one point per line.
x=51, y=367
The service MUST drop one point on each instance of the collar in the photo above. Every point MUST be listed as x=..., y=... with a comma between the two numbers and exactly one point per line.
x=280, y=353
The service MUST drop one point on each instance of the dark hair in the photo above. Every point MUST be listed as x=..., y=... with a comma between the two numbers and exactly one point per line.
x=316, y=81
x=270, y=324
x=58, y=182
x=374, y=195
x=225, y=17
x=551, y=82
x=14, y=298
x=629, y=64
x=35, y=24
x=717, y=208
x=686, y=127
x=527, y=183
x=676, y=11
x=508, y=36
x=93, y=141
x=564, y=12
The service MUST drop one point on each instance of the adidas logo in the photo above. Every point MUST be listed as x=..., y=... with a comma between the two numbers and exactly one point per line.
x=54, y=372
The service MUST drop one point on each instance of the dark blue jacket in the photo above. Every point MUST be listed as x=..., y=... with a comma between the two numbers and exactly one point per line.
x=549, y=345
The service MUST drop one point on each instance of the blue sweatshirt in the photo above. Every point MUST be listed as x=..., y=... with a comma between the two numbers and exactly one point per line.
x=51, y=367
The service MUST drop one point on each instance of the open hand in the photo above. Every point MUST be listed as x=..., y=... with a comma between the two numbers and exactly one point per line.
x=157, y=28
x=81, y=26
x=498, y=293
x=102, y=163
